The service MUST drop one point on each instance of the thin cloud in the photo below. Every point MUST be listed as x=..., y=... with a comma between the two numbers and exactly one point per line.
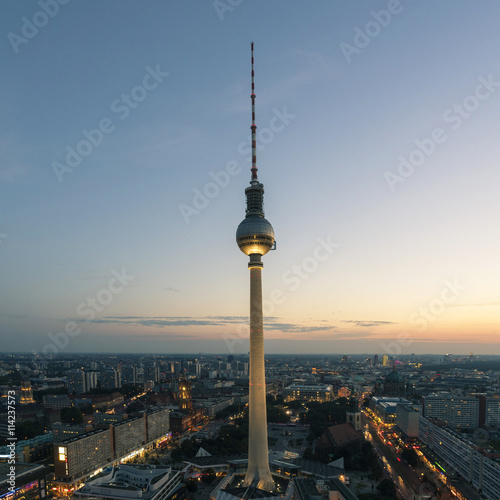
x=291, y=327
x=477, y=304
x=272, y=323
x=368, y=323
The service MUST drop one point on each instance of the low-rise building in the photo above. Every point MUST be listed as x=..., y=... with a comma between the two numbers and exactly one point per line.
x=62, y=431
x=30, y=481
x=134, y=482
x=298, y=392
x=56, y=401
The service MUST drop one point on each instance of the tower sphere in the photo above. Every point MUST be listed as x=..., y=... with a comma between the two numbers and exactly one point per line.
x=255, y=235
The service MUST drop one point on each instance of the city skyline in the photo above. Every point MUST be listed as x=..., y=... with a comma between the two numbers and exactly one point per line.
x=377, y=256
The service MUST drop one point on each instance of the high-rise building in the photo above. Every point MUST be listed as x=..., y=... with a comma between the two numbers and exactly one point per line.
x=81, y=455
x=152, y=372
x=76, y=382
x=255, y=237
x=110, y=378
x=129, y=374
x=459, y=412
x=492, y=410
x=470, y=461
x=184, y=395
x=90, y=380
x=407, y=418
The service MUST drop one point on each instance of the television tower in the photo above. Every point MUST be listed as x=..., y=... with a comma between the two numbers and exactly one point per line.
x=255, y=237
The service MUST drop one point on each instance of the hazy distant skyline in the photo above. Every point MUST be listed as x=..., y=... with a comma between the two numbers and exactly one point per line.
x=378, y=150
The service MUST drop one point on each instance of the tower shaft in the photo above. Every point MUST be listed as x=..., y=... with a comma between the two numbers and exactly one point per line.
x=258, y=455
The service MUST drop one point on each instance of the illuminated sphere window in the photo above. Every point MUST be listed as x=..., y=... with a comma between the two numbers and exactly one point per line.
x=255, y=235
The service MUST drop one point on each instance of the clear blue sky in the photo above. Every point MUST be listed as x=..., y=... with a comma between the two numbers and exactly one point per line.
x=344, y=91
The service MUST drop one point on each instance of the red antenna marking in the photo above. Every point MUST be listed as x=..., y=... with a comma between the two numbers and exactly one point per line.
x=253, y=126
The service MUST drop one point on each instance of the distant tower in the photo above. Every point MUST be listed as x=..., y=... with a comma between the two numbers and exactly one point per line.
x=184, y=395
x=26, y=393
x=255, y=237
x=353, y=415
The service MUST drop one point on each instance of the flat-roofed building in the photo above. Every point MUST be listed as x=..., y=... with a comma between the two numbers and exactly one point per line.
x=129, y=434
x=158, y=424
x=492, y=411
x=304, y=392
x=56, y=401
x=82, y=454
x=30, y=481
x=62, y=431
x=477, y=465
x=130, y=374
x=110, y=378
x=459, y=412
x=407, y=419
x=134, y=482
x=76, y=382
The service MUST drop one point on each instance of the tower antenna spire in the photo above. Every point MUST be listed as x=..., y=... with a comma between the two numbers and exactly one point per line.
x=253, y=126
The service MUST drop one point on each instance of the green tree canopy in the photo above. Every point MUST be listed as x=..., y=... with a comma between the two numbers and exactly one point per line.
x=71, y=415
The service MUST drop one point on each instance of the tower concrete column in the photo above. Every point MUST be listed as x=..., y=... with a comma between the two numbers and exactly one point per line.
x=258, y=454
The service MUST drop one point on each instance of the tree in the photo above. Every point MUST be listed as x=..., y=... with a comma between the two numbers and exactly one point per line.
x=191, y=486
x=28, y=429
x=410, y=456
x=71, y=415
x=87, y=409
x=294, y=405
x=128, y=390
x=208, y=476
x=270, y=399
x=277, y=415
x=387, y=489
